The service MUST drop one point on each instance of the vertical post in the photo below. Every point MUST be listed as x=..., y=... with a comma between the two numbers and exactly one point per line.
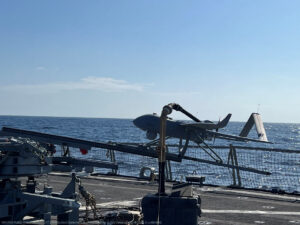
x=162, y=157
x=113, y=159
x=230, y=158
x=168, y=167
x=237, y=169
x=169, y=170
x=162, y=149
x=65, y=151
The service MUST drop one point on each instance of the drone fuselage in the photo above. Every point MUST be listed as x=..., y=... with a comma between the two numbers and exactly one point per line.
x=176, y=129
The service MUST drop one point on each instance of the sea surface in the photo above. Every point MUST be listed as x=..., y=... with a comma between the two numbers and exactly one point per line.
x=284, y=166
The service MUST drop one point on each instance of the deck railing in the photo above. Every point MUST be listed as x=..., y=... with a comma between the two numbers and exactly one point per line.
x=241, y=166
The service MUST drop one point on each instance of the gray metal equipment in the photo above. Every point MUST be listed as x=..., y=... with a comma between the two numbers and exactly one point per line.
x=20, y=157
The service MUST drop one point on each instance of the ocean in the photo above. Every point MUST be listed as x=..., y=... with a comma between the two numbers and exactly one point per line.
x=284, y=166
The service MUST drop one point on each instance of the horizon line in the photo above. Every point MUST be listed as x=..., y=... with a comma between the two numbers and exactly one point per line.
x=124, y=118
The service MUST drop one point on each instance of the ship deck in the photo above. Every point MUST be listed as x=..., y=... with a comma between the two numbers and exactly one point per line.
x=220, y=205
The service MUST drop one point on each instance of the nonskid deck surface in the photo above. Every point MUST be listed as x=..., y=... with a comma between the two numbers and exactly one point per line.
x=219, y=206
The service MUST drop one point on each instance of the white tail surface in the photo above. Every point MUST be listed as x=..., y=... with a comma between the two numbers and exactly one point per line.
x=255, y=118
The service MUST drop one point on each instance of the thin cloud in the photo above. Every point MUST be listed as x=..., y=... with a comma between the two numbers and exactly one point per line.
x=109, y=84
x=177, y=93
x=40, y=68
x=105, y=84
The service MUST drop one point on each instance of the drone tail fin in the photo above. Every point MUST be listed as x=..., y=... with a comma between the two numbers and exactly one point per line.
x=255, y=118
x=224, y=122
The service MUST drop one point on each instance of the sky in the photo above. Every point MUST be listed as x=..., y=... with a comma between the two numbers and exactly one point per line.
x=124, y=58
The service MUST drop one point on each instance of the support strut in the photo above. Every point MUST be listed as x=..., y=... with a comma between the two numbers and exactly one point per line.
x=167, y=109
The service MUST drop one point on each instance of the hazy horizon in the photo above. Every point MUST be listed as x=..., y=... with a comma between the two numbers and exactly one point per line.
x=183, y=119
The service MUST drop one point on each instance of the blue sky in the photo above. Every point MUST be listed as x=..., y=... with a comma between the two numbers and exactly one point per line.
x=127, y=58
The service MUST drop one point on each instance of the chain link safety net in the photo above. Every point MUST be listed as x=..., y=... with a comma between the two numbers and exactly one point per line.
x=252, y=166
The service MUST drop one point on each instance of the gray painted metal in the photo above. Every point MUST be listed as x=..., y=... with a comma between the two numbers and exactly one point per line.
x=21, y=157
x=16, y=203
x=83, y=162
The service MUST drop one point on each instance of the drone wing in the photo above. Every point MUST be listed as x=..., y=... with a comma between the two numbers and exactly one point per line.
x=211, y=125
x=234, y=137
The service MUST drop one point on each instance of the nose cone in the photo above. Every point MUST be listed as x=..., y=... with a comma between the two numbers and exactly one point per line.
x=146, y=122
x=138, y=122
